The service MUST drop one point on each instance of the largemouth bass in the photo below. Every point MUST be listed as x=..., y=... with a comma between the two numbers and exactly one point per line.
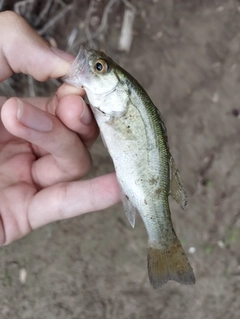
x=133, y=130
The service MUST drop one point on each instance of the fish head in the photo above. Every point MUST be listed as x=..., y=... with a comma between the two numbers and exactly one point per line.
x=94, y=71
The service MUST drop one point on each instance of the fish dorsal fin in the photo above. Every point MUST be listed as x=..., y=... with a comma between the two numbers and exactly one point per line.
x=130, y=210
x=177, y=190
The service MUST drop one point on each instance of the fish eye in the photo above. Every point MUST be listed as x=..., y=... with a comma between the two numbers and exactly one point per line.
x=101, y=66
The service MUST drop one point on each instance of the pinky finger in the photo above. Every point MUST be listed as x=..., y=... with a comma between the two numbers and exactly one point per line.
x=67, y=200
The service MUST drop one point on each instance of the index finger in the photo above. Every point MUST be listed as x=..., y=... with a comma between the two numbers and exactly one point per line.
x=67, y=200
x=23, y=50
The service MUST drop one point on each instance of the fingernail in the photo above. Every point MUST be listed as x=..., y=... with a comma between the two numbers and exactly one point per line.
x=31, y=117
x=86, y=117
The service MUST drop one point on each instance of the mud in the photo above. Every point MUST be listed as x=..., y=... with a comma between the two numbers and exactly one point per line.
x=186, y=54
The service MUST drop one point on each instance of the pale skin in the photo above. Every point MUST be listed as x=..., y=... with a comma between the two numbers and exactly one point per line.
x=44, y=142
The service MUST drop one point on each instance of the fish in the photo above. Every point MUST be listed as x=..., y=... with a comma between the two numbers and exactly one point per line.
x=133, y=130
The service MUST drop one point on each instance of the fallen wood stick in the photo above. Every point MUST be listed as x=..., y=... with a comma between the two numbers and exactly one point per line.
x=126, y=35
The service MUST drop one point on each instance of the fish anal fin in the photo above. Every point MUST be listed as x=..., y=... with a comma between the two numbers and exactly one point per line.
x=177, y=190
x=130, y=210
x=169, y=263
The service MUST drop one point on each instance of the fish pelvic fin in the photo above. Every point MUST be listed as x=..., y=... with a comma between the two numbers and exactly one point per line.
x=177, y=190
x=129, y=209
x=168, y=263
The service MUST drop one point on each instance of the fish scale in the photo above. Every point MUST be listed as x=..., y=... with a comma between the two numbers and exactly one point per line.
x=136, y=137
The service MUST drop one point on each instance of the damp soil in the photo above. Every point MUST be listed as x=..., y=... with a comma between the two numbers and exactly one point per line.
x=186, y=54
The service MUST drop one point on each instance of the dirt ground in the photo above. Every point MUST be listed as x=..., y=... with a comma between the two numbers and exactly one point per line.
x=186, y=54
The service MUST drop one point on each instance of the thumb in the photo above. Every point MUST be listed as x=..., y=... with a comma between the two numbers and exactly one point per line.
x=23, y=50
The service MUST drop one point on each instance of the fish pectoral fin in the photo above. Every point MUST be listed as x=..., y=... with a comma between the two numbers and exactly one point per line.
x=177, y=190
x=130, y=210
x=169, y=263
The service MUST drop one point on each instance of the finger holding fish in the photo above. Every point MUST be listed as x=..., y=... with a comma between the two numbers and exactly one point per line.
x=78, y=117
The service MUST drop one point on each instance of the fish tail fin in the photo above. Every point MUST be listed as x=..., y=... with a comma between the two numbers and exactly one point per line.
x=168, y=263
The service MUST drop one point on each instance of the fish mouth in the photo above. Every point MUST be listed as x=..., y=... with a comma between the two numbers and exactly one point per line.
x=82, y=58
x=79, y=68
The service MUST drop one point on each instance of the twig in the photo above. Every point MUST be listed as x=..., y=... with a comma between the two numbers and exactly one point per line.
x=87, y=21
x=55, y=19
x=90, y=36
x=130, y=5
x=7, y=87
x=126, y=35
x=72, y=38
x=43, y=12
x=18, y=5
x=63, y=4
x=104, y=21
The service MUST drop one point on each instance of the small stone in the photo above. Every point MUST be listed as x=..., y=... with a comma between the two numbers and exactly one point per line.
x=221, y=244
x=192, y=250
x=22, y=275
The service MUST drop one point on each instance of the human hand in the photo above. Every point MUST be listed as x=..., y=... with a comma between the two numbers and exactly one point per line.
x=44, y=141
